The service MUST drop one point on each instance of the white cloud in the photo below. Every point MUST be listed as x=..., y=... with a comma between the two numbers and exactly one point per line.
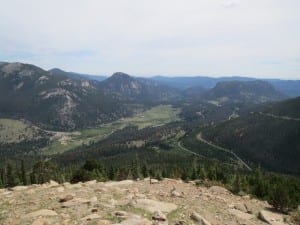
x=229, y=4
x=154, y=37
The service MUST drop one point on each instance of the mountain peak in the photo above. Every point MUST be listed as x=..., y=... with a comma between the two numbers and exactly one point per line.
x=121, y=75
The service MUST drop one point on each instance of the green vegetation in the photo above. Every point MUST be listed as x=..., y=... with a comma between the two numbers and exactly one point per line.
x=14, y=131
x=273, y=143
x=156, y=116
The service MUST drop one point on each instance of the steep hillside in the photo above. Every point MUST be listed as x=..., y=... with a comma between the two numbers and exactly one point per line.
x=263, y=138
x=72, y=75
x=243, y=91
x=54, y=101
x=128, y=88
x=227, y=100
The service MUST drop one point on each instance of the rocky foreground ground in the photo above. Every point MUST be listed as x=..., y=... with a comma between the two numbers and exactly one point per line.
x=131, y=203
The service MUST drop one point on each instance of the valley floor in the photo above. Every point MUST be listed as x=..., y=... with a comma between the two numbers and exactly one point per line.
x=131, y=203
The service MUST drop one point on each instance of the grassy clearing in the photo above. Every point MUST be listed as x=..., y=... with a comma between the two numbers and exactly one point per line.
x=14, y=131
x=156, y=116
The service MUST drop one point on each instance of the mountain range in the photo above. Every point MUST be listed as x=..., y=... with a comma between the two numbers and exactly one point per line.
x=60, y=100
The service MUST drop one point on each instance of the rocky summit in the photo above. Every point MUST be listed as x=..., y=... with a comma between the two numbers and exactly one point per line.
x=132, y=203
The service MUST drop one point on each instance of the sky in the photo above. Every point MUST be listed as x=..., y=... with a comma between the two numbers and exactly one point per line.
x=258, y=38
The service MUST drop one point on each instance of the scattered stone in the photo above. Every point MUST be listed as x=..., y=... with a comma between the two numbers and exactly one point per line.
x=158, y=215
x=241, y=207
x=241, y=215
x=91, y=217
x=19, y=188
x=66, y=198
x=53, y=183
x=271, y=217
x=93, y=199
x=41, y=212
x=153, y=205
x=94, y=210
x=199, y=219
x=89, y=183
x=175, y=193
x=75, y=201
x=118, y=183
x=121, y=214
x=153, y=181
x=218, y=190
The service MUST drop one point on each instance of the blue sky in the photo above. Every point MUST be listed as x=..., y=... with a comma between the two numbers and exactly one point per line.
x=258, y=38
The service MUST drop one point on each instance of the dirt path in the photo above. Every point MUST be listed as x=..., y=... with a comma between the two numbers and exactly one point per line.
x=200, y=138
x=189, y=151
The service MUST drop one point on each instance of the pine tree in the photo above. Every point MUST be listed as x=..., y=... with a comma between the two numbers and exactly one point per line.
x=10, y=177
x=23, y=173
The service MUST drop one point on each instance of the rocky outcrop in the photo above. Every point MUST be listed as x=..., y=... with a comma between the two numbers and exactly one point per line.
x=131, y=203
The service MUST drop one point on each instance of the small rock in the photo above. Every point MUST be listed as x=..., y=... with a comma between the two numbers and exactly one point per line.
x=88, y=183
x=153, y=181
x=19, y=188
x=53, y=183
x=199, y=219
x=91, y=217
x=218, y=190
x=66, y=198
x=271, y=217
x=93, y=199
x=121, y=213
x=153, y=205
x=41, y=212
x=175, y=193
x=241, y=215
x=158, y=215
x=94, y=210
x=241, y=207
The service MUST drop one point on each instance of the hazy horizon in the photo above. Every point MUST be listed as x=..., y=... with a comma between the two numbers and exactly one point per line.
x=215, y=38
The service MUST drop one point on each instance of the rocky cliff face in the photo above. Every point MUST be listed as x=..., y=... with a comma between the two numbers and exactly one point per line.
x=131, y=203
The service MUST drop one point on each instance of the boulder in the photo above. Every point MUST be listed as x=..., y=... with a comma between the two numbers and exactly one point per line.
x=218, y=190
x=241, y=215
x=89, y=183
x=159, y=216
x=19, y=188
x=52, y=183
x=121, y=214
x=75, y=201
x=272, y=218
x=175, y=193
x=153, y=181
x=199, y=219
x=66, y=198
